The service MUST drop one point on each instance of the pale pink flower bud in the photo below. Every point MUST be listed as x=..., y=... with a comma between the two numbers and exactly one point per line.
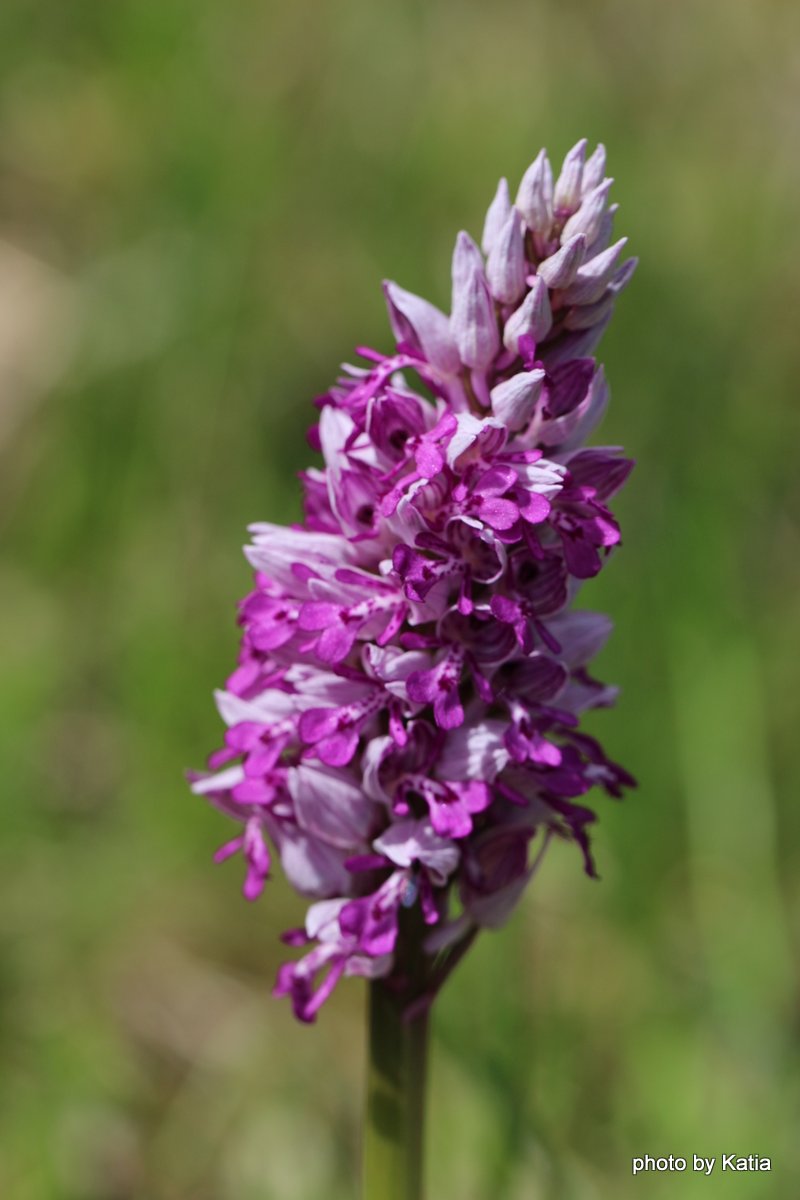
x=594, y=276
x=535, y=195
x=567, y=194
x=505, y=269
x=496, y=216
x=533, y=317
x=466, y=257
x=560, y=269
x=623, y=275
x=588, y=315
x=594, y=169
x=514, y=400
x=473, y=322
x=590, y=214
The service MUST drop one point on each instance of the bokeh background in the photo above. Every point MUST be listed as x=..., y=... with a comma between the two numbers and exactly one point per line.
x=198, y=201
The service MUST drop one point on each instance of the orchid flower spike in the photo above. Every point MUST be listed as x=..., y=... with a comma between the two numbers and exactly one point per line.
x=403, y=725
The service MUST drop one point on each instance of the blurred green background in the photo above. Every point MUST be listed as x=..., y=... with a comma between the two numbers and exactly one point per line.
x=197, y=204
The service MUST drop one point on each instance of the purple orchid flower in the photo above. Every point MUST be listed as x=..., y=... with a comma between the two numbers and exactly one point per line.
x=403, y=724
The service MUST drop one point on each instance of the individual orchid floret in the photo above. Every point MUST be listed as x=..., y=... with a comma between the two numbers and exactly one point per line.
x=594, y=169
x=567, y=193
x=403, y=724
x=559, y=270
x=588, y=217
x=497, y=214
x=535, y=195
x=505, y=266
x=421, y=326
x=514, y=400
x=591, y=280
x=533, y=320
x=473, y=322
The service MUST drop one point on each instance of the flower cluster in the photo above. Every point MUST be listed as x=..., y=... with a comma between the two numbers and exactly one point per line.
x=403, y=724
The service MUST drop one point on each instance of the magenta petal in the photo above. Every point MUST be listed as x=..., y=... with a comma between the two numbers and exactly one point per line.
x=270, y=637
x=581, y=558
x=317, y=614
x=447, y=710
x=394, y=625
x=535, y=509
x=338, y=749
x=243, y=736
x=336, y=643
x=545, y=752
x=429, y=460
x=253, y=885
x=499, y=514
x=324, y=990
x=450, y=818
x=505, y=609
x=609, y=533
x=317, y=723
x=496, y=481
x=421, y=686
x=252, y=791
x=476, y=796
x=230, y=848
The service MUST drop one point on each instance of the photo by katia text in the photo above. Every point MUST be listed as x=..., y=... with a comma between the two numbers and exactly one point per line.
x=700, y=1163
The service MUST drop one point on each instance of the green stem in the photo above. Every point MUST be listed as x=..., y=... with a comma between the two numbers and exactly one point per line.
x=395, y=1119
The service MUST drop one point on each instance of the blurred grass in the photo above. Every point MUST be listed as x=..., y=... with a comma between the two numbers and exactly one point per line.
x=198, y=202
